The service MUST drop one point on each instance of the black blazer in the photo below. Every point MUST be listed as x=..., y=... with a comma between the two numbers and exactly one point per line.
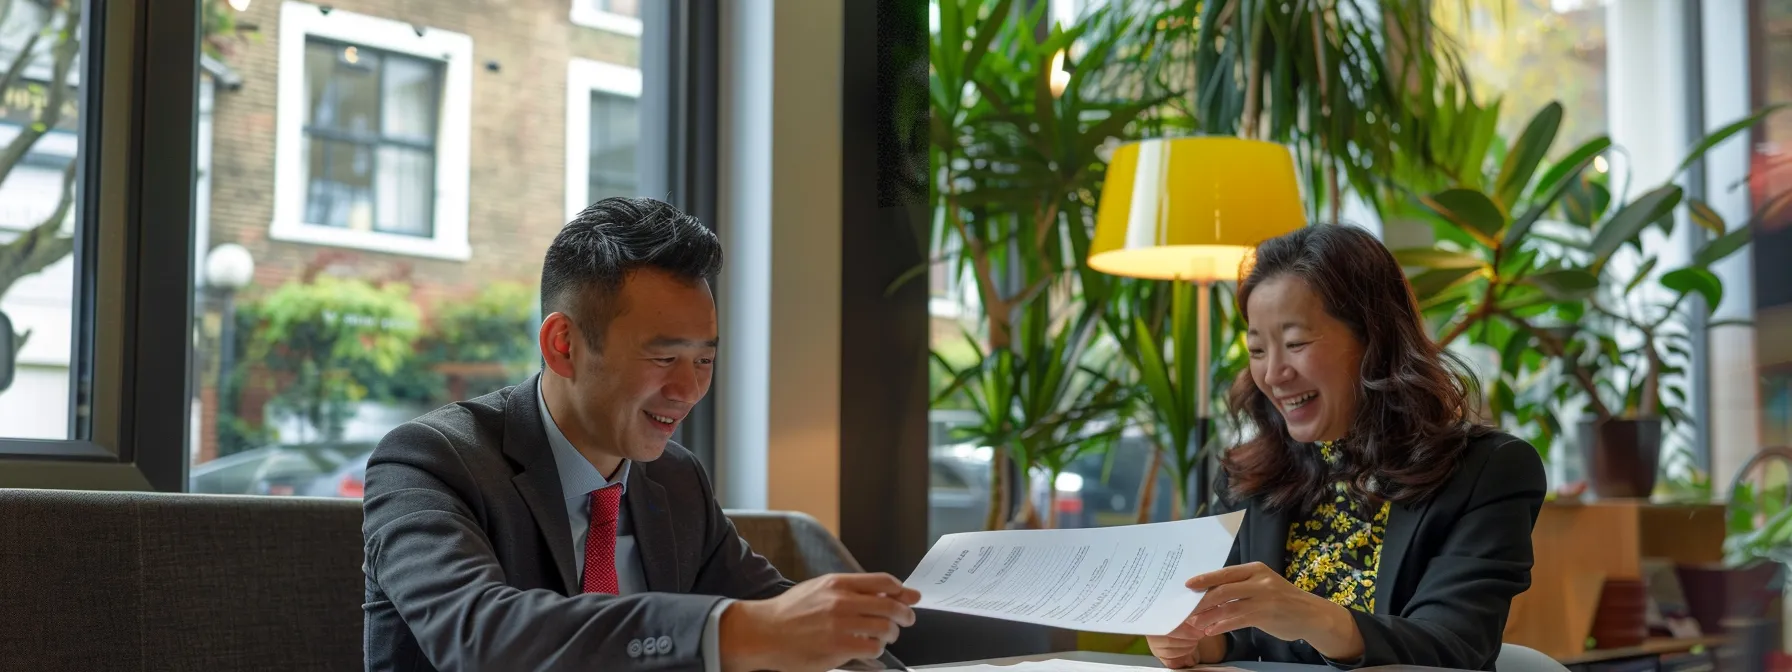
x=1450, y=566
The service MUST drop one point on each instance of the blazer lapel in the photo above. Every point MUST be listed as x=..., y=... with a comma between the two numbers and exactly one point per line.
x=1267, y=538
x=526, y=443
x=1403, y=523
x=654, y=536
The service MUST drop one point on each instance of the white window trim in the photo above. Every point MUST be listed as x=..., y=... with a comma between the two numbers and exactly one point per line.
x=585, y=15
x=300, y=20
x=584, y=76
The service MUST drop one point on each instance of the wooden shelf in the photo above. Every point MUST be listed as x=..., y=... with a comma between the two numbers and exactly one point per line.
x=1580, y=545
x=1651, y=647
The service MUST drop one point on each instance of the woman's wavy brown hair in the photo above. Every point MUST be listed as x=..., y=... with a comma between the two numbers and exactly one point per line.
x=1417, y=405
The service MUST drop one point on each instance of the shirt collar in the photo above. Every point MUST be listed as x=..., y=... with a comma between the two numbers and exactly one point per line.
x=578, y=478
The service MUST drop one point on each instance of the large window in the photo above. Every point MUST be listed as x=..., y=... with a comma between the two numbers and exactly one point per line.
x=421, y=154
x=94, y=213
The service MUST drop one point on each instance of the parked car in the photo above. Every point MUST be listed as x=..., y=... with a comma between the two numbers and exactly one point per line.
x=348, y=480
x=277, y=469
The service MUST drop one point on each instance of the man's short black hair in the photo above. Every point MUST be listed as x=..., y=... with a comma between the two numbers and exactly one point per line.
x=596, y=251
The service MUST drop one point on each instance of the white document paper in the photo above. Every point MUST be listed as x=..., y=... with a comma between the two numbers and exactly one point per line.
x=1043, y=666
x=1124, y=580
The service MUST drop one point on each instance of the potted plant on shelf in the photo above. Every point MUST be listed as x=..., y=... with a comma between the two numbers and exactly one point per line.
x=1519, y=267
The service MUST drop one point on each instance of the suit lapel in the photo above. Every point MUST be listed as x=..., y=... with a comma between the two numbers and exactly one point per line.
x=526, y=443
x=654, y=537
x=1403, y=523
x=1268, y=538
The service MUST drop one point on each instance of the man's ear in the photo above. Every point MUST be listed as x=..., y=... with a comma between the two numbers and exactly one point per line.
x=557, y=341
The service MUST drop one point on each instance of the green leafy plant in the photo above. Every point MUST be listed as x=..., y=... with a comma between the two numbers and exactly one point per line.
x=1037, y=403
x=321, y=339
x=478, y=345
x=1016, y=151
x=1509, y=276
x=1759, y=525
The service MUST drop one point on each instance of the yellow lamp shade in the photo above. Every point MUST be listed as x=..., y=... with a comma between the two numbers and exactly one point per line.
x=1192, y=208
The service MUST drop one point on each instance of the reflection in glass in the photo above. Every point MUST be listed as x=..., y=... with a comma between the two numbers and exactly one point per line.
x=40, y=224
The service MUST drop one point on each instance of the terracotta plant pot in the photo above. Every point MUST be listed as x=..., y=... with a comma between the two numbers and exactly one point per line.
x=1622, y=619
x=1622, y=457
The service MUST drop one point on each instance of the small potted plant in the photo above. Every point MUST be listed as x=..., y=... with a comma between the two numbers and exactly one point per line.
x=1734, y=596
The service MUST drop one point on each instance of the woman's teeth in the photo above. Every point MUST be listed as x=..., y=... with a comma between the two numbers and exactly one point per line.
x=661, y=419
x=1299, y=401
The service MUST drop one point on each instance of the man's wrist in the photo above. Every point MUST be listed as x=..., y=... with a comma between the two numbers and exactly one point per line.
x=739, y=637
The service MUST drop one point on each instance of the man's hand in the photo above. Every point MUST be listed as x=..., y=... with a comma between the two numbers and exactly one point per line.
x=1253, y=596
x=819, y=624
x=1187, y=647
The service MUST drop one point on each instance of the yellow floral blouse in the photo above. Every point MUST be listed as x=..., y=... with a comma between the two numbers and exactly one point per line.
x=1335, y=550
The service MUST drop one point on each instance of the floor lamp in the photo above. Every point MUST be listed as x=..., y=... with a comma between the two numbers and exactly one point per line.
x=1190, y=210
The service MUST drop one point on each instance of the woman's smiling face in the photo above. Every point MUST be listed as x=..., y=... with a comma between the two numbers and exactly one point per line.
x=1308, y=363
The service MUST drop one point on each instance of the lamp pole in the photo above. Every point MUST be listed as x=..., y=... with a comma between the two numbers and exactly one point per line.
x=1204, y=357
x=228, y=269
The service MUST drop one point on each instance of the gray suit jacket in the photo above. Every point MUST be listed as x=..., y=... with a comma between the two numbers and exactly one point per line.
x=469, y=565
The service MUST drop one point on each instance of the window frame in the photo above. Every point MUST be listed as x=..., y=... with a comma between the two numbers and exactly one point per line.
x=584, y=14
x=134, y=267
x=300, y=22
x=583, y=78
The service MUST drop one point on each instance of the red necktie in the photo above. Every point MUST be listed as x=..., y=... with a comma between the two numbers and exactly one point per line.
x=600, y=542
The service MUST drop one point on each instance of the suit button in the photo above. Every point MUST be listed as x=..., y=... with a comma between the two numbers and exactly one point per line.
x=665, y=645
x=651, y=646
x=634, y=648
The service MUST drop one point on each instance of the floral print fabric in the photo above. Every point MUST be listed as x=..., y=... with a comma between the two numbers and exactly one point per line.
x=1335, y=550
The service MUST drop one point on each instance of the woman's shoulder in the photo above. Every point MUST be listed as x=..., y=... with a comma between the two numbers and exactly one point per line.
x=1499, y=461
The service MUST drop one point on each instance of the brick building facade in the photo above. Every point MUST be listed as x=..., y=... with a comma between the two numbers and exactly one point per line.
x=512, y=67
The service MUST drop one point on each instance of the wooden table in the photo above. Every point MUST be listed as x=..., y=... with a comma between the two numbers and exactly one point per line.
x=1150, y=662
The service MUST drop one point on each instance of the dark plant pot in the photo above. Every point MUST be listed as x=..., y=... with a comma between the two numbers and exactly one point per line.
x=1622, y=457
x=1715, y=593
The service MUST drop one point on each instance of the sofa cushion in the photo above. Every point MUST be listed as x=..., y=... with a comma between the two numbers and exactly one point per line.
x=153, y=581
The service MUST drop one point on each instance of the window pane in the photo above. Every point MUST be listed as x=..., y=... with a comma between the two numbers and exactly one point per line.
x=346, y=94
x=340, y=184
x=40, y=224
x=410, y=100
x=407, y=188
x=314, y=342
x=1770, y=178
x=1771, y=169
x=615, y=130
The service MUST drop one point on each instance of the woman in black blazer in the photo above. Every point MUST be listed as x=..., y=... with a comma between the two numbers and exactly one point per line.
x=1383, y=525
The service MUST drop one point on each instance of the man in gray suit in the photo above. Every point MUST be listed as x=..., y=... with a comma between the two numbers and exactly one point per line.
x=554, y=525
